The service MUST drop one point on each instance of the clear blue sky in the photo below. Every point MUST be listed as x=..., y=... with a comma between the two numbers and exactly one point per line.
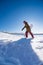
x=14, y=12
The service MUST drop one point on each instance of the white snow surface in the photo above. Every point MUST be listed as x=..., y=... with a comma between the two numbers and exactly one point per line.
x=17, y=50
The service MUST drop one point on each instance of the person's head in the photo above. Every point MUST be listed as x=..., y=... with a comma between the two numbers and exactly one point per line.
x=24, y=22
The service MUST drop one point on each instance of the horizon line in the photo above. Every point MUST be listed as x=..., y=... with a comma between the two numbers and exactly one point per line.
x=21, y=33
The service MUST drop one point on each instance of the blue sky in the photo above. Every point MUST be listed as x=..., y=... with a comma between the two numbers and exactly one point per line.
x=14, y=12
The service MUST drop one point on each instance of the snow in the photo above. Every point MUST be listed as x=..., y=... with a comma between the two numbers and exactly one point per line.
x=5, y=37
x=37, y=45
x=17, y=50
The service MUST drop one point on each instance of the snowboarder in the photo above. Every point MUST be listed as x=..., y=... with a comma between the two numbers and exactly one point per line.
x=28, y=29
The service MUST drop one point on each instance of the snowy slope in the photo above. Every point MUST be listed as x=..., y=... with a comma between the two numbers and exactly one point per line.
x=5, y=37
x=17, y=50
x=37, y=45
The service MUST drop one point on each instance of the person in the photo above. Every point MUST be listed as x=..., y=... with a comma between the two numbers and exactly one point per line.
x=28, y=29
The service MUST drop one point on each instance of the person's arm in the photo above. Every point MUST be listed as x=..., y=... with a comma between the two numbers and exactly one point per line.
x=23, y=27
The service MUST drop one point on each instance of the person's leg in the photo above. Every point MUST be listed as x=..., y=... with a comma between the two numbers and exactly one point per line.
x=26, y=34
x=31, y=34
